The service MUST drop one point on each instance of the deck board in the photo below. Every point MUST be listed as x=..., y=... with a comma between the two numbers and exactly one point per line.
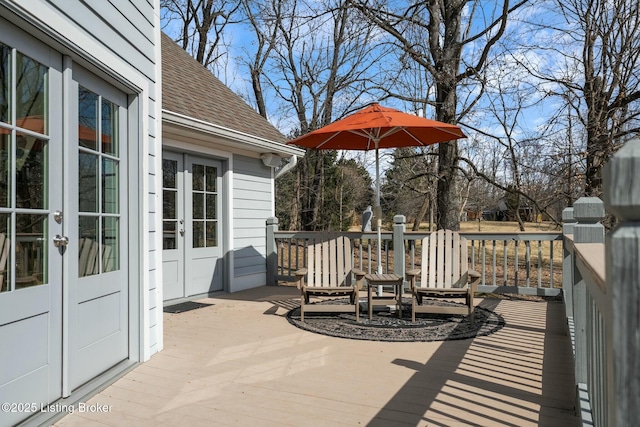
x=240, y=362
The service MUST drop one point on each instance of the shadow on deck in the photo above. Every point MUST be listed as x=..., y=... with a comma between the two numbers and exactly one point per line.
x=240, y=362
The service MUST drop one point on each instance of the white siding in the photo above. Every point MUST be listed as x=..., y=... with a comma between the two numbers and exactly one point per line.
x=252, y=205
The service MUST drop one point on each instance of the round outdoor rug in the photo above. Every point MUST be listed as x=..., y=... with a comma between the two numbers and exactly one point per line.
x=385, y=325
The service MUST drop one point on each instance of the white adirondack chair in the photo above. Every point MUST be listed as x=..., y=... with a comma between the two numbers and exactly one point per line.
x=329, y=272
x=444, y=274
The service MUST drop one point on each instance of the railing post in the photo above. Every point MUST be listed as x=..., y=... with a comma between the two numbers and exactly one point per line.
x=622, y=198
x=567, y=263
x=398, y=245
x=272, y=252
x=587, y=211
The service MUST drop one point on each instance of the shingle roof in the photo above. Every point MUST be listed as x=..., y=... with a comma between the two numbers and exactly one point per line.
x=188, y=88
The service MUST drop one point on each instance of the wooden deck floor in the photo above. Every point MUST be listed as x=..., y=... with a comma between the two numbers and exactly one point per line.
x=239, y=362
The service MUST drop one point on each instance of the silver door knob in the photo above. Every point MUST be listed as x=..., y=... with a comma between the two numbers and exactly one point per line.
x=60, y=241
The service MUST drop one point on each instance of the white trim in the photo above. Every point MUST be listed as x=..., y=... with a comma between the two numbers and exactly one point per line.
x=234, y=137
x=159, y=329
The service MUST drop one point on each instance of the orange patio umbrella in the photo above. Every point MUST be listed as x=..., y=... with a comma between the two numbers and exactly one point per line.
x=376, y=127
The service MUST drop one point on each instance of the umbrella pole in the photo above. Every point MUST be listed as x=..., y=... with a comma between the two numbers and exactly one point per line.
x=379, y=213
x=379, y=216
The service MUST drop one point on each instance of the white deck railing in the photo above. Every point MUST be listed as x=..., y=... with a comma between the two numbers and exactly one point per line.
x=508, y=262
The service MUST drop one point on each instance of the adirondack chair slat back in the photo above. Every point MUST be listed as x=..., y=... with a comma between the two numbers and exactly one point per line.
x=444, y=259
x=329, y=261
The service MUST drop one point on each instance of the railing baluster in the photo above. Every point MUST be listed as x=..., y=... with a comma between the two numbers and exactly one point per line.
x=473, y=258
x=516, y=263
x=504, y=257
x=551, y=266
x=494, y=263
x=539, y=263
x=483, y=262
x=527, y=262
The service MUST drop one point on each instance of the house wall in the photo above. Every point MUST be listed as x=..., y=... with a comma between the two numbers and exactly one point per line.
x=119, y=41
x=252, y=205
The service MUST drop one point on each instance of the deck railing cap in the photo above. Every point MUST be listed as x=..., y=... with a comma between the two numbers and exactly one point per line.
x=588, y=209
x=622, y=182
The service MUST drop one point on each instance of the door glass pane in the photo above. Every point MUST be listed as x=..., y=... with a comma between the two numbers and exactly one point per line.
x=89, y=247
x=110, y=244
x=31, y=172
x=198, y=234
x=110, y=182
x=5, y=83
x=31, y=250
x=87, y=119
x=88, y=182
x=31, y=86
x=198, y=205
x=169, y=173
x=169, y=234
x=212, y=233
x=5, y=170
x=211, y=206
x=198, y=177
x=5, y=252
x=169, y=204
x=109, y=128
x=212, y=178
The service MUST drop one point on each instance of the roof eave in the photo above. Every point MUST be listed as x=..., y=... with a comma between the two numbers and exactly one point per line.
x=236, y=138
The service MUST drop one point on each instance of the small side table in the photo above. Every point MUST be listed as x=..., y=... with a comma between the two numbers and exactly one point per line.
x=375, y=280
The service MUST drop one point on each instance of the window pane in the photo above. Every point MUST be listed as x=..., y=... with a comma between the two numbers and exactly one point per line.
x=169, y=234
x=5, y=170
x=110, y=244
x=31, y=172
x=198, y=177
x=5, y=83
x=198, y=205
x=5, y=252
x=31, y=99
x=89, y=247
x=109, y=128
x=87, y=119
x=211, y=206
x=31, y=250
x=88, y=182
x=212, y=233
x=198, y=234
x=169, y=172
x=110, y=183
x=169, y=204
x=212, y=177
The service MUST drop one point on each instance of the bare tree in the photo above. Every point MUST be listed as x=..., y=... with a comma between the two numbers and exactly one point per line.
x=435, y=35
x=595, y=71
x=198, y=26
x=319, y=68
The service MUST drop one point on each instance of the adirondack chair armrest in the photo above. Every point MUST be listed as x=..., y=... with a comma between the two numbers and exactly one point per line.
x=300, y=276
x=412, y=276
x=359, y=275
x=474, y=276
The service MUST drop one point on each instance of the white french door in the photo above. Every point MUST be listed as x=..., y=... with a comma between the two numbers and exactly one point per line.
x=192, y=226
x=31, y=183
x=96, y=267
x=64, y=307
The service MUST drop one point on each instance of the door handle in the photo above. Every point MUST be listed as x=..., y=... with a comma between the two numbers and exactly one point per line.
x=60, y=241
